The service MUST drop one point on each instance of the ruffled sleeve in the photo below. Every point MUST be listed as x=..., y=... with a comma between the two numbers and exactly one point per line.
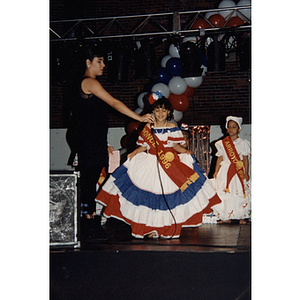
x=175, y=136
x=220, y=148
x=245, y=148
x=142, y=142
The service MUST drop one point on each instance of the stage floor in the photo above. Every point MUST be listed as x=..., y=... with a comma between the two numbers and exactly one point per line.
x=229, y=238
x=212, y=261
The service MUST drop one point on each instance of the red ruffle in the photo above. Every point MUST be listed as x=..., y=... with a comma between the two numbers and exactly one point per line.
x=140, y=230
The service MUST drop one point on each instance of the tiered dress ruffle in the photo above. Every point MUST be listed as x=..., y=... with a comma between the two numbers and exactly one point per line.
x=133, y=194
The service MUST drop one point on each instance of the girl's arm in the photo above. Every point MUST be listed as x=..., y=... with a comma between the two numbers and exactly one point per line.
x=218, y=165
x=246, y=166
x=94, y=86
x=136, y=151
x=178, y=148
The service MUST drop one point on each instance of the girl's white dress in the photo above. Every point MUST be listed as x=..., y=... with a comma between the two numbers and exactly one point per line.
x=133, y=193
x=234, y=205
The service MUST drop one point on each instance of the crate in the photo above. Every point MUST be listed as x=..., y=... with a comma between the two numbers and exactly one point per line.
x=63, y=209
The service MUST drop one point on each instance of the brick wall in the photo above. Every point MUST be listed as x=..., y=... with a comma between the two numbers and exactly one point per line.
x=219, y=95
x=64, y=9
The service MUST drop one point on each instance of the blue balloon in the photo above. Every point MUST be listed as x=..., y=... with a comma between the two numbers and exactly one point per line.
x=174, y=66
x=163, y=75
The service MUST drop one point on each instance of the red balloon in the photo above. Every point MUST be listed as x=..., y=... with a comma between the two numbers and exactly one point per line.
x=179, y=102
x=234, y=21
x=217, y=20
x=133, y=125
x=189, y=92
x=201, y=23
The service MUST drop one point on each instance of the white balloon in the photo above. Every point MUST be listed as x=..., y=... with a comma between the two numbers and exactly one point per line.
x=177, y=85
x=173, y=51
x=245, y=11
x=138, y=110
x=164, y=60
x=140, y=101
x=193, y=82
x=161, y=87
x=177, y=115
x=225, y=4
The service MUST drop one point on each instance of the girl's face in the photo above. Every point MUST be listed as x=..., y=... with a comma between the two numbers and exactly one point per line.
x=96, y=66
x=233, y=129
x=161, y=114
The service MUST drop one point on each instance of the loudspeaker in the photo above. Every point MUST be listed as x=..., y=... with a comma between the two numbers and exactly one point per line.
x=216, y=56
x=244, y=51
x=118, y=62
x=190, y=57
x=145, y=60
x=63, y=209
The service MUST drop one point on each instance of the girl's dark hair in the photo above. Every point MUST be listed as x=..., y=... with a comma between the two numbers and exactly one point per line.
x=163, y=102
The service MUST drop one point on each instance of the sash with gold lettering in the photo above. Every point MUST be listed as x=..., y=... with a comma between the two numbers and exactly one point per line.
x=236, y=166
x=180, y=174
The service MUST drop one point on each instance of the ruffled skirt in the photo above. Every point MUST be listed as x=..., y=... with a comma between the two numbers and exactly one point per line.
x=234, y=205
x=133, y=194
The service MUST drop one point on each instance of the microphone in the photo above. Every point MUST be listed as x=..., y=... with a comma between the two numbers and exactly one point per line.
x=152, y=127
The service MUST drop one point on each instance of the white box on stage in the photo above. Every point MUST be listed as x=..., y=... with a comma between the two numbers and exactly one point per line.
x=63, y=209
x=209, y=219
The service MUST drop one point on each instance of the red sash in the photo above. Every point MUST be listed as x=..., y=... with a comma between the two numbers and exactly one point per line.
x=236, y=166
x=180, y=174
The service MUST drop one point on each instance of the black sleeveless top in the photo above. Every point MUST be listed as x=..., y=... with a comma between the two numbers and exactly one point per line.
x=92, y=131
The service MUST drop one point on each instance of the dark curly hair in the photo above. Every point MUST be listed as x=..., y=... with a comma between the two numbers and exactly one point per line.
x=163, y=102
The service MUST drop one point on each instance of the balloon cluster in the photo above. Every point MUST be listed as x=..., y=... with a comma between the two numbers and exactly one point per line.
x=171, y=83
x=174, y=81
x=225, y=18
x=183, y=68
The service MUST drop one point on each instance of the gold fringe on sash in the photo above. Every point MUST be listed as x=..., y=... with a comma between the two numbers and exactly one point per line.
x=190, y=180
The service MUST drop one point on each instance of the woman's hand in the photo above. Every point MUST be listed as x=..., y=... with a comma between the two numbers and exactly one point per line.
x=148, y=118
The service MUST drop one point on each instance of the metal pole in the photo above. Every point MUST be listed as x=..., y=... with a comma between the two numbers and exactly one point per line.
x=176, y=25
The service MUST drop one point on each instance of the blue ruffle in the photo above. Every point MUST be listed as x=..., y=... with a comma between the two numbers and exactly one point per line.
x=139, y=197
x=165, y=130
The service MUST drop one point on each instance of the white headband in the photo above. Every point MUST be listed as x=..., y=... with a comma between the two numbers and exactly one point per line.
x=238, y=120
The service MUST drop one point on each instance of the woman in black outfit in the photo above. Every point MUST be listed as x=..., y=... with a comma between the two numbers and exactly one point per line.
x=91, y=135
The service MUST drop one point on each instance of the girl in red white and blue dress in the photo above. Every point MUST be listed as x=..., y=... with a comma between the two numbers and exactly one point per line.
x=156, y=191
